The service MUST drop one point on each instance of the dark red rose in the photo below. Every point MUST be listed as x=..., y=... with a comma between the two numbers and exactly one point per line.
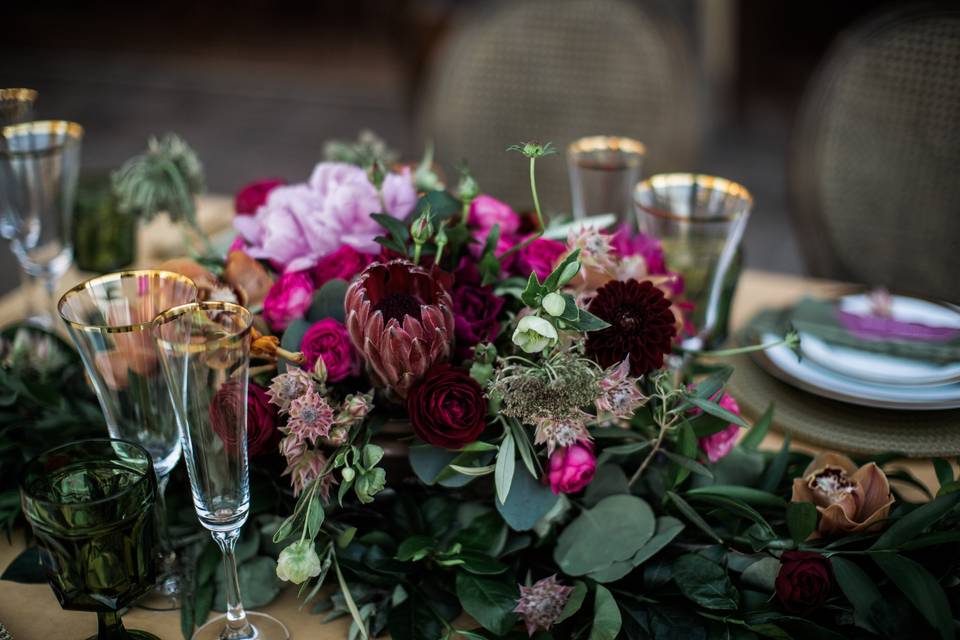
x=475, y=310
x=262, y=433
x=328, y=339
x=804, y=581
x=344, y=263
x=447, y=408
x=253, y=195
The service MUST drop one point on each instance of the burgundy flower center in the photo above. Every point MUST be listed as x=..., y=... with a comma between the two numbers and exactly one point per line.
x=628, y=320
x=832, y=483
x=398, y=305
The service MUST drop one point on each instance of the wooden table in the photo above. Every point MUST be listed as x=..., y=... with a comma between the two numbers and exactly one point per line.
x=31, y=611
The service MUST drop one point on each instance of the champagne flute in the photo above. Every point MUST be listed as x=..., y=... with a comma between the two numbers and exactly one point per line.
x=205, y=352
x=603, y=172
x=110, y=319
x=90, y=504
x=700, y=221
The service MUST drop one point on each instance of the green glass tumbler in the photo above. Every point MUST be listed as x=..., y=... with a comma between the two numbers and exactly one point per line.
x=104, y=237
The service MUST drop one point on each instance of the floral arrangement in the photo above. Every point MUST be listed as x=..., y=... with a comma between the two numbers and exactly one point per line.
x=465, y=423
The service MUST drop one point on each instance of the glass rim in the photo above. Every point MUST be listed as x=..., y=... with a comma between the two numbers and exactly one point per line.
x=21, y=476
x=18, y=94
x=72, y=130
x=187, y=347
x=701, y=180
x=631, y=147
x=117, y=276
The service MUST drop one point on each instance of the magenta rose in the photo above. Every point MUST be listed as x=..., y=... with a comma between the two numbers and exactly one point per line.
x=717, y=445
x=485, y=212
x=328, y=339
x=627, y=243
x=344, y=263
x=539, y=257
x=253, y=195
x=288, y=299
x=225, y=417
x=571, y=468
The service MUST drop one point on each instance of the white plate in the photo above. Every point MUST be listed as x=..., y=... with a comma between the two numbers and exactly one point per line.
x=805, y=374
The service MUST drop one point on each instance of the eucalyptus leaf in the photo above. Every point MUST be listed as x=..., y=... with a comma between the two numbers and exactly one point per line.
x=608, y=480
x=667, y=529
x=292, y=338
x=623, y=522
x=606, y=616
x=528, y=501
x=328, y=302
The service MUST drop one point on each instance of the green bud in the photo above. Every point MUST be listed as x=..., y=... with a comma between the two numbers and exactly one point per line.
x=481, y=372
x=468, y=189
x=569, y=272
x=348, y=474
x=422, y=228
x=377, y=173
x=553, y=303
x=440, y=239
x=298, y=562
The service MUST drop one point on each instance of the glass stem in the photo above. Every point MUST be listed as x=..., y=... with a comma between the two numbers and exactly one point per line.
x=237, y=625
x=163, y=527
x=110, y=626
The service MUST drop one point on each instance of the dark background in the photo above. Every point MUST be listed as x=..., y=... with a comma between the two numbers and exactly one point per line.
x=257, y=86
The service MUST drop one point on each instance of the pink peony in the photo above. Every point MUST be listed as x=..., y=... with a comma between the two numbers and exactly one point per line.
x=719, y=444
x=253, y=195
x=343, y=264
x=328, y=339
x=572, y=468
x=485, y=212
x=288, y=299
x=540, y=256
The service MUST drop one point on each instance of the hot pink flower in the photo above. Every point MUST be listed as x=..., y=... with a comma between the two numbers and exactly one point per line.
x=626, y=243
x=288, y=299
x=343, y=264
x=328, y=339
x=540, y=256
x=572, y=468
x=485, y=212
x=719, y=444
x=253, y=195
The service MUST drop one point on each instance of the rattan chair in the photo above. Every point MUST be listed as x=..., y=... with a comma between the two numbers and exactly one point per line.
x=875, y=174
x=556, y=70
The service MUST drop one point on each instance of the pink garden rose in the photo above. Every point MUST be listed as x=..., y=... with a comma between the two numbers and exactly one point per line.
x=253, y=195
x=539, y=257
x=328, y=339
x=485, y=212
x=344, y=263
x=719, y=444
x=288, y=299
x=571, y=468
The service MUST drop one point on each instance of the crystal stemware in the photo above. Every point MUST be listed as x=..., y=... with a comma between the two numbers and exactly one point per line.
x=39, y=165
x=700, y=221
x=205, y=351
x=603, y=171
x=110, y=319
x=16, y=105
x=91, y=505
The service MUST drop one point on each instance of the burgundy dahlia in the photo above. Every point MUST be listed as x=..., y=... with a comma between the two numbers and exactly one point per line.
x=641, y=324
x=400, y=319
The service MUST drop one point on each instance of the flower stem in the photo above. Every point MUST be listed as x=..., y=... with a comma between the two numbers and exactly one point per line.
x=536, y=207
x=792, y=340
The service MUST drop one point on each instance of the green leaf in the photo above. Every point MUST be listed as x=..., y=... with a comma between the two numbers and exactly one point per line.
x=315, y=516
x=348, y=598
x=944, y=470
x=589, y=322
x=328, y=302
x=394, y=227
x=528, y=501
x=606, y=616
x=705, y=583
x=624, y=522
x=608, y=480
x=691, y=514
x=921, y=589
x=801, y=520
x=522, y=441
x=533, y=292
x=713, y=384
x=258, y=583
x=506, y=465
x=574, y=602
x=774, y=474
x=687, y=465
x=758, y=431
x=667, y=529
x=761, y=574
x=480, y=564
x=715, y=409
x=858, y=587
x=737, y=508
x=415, y=548
x=292, y=338
x=441, y=203
x=489, y=601
x=914, y=523
x=203, y=597
x=413, y=619
x=684, y=456
x=749, y=495
x=553, y=280
x=705, y=424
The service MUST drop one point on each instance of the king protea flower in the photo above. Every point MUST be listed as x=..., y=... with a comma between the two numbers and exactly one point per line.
x=400, y=318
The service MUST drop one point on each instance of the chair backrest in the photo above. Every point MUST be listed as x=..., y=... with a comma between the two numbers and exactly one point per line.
x=556, y=70
x=875, y=174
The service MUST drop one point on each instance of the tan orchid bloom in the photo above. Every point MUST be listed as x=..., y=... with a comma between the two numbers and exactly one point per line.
x=209, y=287
x=849, y=500
x=268, y=348
x=244, y=273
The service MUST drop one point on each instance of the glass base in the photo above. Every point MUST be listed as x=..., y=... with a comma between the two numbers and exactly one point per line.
x=264, y=628
x=164, y=597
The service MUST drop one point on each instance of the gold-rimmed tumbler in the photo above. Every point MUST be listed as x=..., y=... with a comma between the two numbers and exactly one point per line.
x=109, y=319
x=16, y=105
x=603, y=172
x=700, y=220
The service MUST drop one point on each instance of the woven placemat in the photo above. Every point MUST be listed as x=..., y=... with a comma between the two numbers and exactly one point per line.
x=842, y=426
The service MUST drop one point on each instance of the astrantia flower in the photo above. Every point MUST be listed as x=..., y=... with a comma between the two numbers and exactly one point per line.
x=287, y=387
x=620, y=394
x=541, y=604
x=641, y=324
x=298, y=562
x=310, y=416
x=561, y=431
x=305, y=470
x=400, y=319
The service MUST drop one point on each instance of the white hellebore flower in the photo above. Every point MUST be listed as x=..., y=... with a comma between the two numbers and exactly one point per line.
x=298, y=562
x=554, y=304
x=534, y=334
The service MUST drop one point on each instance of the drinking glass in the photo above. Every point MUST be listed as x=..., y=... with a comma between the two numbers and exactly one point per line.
x=603, y=172
x=16, y=105
x=700, y=221
x=39, y=165
x=91, y=506
x=110, y=319
x=205, y=351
